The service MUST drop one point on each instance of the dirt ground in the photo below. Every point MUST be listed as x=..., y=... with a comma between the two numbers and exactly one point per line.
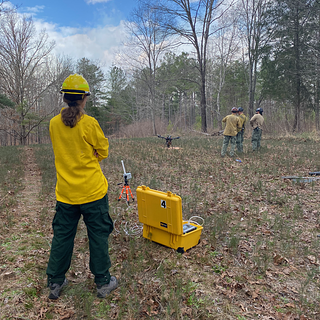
x=284, y=292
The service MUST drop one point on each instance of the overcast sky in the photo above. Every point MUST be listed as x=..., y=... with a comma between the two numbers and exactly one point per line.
x=82, y=28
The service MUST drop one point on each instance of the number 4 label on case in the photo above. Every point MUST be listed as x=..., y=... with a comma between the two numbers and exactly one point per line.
x=163, y=204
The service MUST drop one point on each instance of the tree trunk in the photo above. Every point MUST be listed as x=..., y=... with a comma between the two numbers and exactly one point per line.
x=317, y=116
x=296, y=125
x=203, y=104
x=251, y=91
x=23, y=138
x=317, y=96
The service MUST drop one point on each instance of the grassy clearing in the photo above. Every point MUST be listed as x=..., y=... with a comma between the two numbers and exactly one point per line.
x=259, y=251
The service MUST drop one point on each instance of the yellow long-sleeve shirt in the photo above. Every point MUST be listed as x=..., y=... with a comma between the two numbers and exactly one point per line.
x=232, y=125
x=243, y=121
x=79, y=176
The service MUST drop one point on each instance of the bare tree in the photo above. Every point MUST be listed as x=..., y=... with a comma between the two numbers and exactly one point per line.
x=225, y=46
x=6, y=7
x=149, y=41
x=317, y=83
x=257, y=36
x=194, y=22
x=23, y=73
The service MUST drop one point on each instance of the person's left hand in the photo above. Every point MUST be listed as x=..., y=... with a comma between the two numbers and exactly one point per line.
x=96, y=154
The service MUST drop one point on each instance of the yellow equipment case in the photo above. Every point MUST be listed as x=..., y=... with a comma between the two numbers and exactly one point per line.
x=161, y=215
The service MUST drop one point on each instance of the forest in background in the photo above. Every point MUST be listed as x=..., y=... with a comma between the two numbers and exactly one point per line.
x=184, y=66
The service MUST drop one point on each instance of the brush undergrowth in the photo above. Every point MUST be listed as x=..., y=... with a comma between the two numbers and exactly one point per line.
x=11, y=172
x=259, y=250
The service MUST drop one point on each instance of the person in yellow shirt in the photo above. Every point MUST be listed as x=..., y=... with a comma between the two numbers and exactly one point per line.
x=232, y=122
x=240, y=134
x=256, y=123
x=81, y=189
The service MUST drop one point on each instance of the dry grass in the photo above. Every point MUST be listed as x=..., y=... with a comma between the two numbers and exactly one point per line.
x=259, y=252
x=143, y=129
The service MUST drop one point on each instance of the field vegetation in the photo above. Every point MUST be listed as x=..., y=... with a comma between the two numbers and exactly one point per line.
x=258, y=257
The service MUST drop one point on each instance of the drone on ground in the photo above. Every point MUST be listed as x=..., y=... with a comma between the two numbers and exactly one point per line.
x=168, y=140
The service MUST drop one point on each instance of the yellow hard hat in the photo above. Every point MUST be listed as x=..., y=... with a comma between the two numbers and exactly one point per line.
x=75, y=84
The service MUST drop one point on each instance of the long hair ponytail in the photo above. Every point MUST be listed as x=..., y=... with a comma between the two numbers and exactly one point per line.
x=71, y=115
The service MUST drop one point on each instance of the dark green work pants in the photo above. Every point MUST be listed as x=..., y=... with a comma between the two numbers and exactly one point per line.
x=256, y=138
x=226, y=140
x=99, y=226
x=240, y=141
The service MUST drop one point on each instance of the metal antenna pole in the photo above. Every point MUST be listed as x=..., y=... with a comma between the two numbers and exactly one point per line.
x=124, y=169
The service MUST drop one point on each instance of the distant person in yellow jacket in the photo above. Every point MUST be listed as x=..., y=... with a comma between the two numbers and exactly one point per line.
x=78, y=145
x=232, y=122
x=240, y=134
x=256, y=123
